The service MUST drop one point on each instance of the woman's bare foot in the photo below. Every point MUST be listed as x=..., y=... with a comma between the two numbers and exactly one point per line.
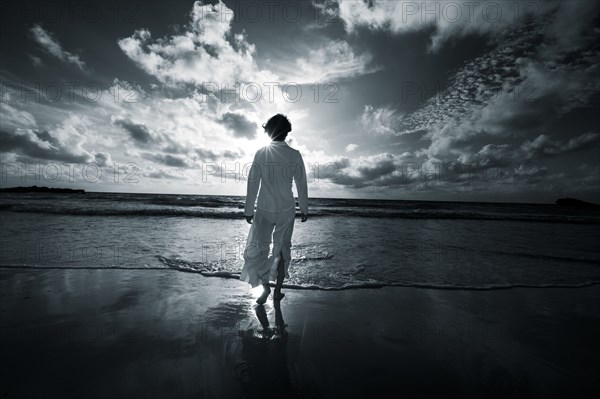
x=263, y=297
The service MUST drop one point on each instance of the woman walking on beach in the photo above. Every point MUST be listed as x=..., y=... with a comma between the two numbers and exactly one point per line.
x=273, y=169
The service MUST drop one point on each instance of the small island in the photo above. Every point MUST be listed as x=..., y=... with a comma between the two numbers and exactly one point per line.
x=42, y=189
x=575, y=203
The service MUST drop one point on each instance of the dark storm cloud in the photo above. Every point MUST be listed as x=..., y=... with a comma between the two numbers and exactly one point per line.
x=239, y=125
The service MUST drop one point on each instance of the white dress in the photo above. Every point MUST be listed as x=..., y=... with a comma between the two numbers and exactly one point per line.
x=274, y=168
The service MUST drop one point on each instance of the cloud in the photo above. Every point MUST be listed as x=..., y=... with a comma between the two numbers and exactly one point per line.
x=445, y=20
x=504, y=165
x=333, y=61
x=206, y=155
x=40, y=145
x=160, y=174
x=569, y=25
x=37, y=61
x=103, y=159
x=68, y=142
x=212, y=156
x=53, y=47
x=167, y=159
x=379, y=170
x=530, y=151
x=207, y=52
x=171, y=152
x=516, y=92
x=190, y=62
x=544, y=146
x=351, y=147
x=239, y=125
x=138, y=132
x=174, y=149
x=192, y=158
x=381, y=167
x=488, y=80
x=13, y=118
x=382, y=120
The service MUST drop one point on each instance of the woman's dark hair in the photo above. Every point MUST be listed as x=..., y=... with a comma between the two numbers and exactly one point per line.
x=278, y=127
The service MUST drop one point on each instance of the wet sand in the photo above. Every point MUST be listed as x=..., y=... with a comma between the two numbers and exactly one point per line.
x=158, y=334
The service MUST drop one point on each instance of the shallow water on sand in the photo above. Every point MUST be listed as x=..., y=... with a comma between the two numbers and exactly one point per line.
x=329, y=252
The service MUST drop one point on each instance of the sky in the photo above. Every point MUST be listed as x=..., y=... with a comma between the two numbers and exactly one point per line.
x=429, y=100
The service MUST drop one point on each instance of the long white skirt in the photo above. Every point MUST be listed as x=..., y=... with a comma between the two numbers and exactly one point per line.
x=260, y=267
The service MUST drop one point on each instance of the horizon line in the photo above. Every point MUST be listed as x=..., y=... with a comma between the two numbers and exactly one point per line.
x=331, y=198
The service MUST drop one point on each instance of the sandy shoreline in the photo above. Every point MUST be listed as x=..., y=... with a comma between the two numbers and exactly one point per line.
x=119, y=333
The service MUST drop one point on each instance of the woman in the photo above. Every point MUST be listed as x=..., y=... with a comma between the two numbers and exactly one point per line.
x=273, y=169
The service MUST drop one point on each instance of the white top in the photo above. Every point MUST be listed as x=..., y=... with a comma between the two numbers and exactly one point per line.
x=273, y=168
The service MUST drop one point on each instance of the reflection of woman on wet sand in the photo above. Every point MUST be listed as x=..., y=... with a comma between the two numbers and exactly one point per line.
x=263, y=372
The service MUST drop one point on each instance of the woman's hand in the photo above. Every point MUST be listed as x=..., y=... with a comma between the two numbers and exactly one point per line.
x=304, y=217
x=249, y=219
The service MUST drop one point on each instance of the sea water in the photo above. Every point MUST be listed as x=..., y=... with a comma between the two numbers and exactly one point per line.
x=345, y=244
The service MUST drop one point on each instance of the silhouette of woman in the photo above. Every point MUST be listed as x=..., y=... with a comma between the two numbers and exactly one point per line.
x=273, y=169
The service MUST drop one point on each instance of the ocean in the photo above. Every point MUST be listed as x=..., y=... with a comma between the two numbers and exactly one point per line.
x=345, y=244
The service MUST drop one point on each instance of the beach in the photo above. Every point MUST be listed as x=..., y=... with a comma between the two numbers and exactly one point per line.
x=163, y=333
x=138, y=295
